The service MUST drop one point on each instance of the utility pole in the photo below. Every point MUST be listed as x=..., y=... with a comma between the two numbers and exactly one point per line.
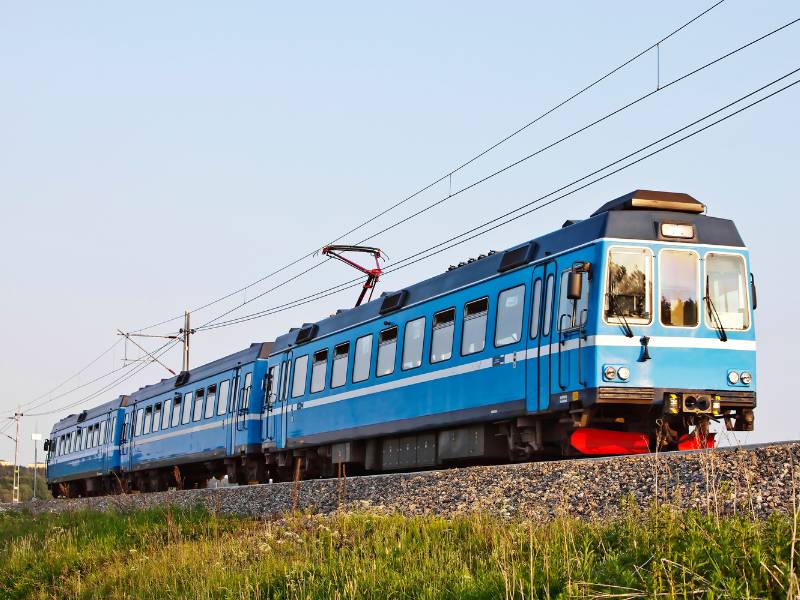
x=186, y=331
x=35, y=437
x=15, y=488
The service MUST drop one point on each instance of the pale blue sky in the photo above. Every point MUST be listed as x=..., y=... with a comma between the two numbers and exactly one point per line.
x=155, y=156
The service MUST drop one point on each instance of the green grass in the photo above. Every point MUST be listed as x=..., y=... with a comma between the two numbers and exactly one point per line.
x=193, y=554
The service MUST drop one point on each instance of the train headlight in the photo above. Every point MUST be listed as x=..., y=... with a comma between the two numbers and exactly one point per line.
x=610, y=373
x=624, y=373
x=746, y=377
x=671, y=405
x=733, y=377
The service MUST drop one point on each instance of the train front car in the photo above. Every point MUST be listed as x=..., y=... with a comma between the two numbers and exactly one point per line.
x=668, y=340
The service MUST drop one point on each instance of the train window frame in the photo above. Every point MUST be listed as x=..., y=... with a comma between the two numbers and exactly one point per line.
x=274, y=384
x=369, y=341
x=299, y=392
x=385, y=345
x=148, y=420
x=416, y=360
x=606, y=278
x=247, y=386
x=103, y=430
x=467, y=318
x=318, y=379
x=211, y=401
x=223, y=395
x=79, y=436
x=549, y=301
x=188, y=403
x=96, y=436
x=166, y=413
x=536, y=307
x=500, y=310
x=748, y=301
x=156, y=417
x=138, y=419
x=197, y=411
x=438, y=327
x=583, y=302
x=698, y=288
x=177, y=410
x=338, y=358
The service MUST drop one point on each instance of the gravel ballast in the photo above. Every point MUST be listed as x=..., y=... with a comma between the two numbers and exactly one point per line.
x=756, y=480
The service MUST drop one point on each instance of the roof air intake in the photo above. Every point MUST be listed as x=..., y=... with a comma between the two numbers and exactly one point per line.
x=651, y=200
x=516, y=257
x=394, y=301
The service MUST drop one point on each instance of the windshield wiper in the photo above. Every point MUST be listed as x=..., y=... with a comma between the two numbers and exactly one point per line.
x=626, y=328
x=712, y=310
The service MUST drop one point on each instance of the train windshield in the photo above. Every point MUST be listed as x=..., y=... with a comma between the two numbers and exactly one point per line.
x=678, y=281
x=726, y=280
x=629, y=289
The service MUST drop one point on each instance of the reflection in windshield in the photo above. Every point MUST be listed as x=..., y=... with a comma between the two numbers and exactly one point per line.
x=678, y=279
x=727, y=289
x=629, y=284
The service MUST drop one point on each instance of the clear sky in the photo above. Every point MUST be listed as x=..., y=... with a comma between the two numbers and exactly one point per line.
x=154, y=156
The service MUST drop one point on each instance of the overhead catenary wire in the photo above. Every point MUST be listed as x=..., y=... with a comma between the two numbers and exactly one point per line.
x=537, y=203
x=529, y=156
x=446, y=175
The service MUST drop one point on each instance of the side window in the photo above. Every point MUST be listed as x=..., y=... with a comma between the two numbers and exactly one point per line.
x=413, y=341
x=536, y=307
x=300, y=372
x=79, y=436
x=198, y=404
x=211, y=399
x=319, y=370
x=113, y=431
x=274, y=384
x=248, y=385
x=224, y=392
x=473, y=337
x=508, y=325
x=444, y=325
x=148, y=420
x=362, y=359
x=571, y=313
x=156, y=416
x=387, y=351
x=176, y=410
x=167, y=413
x=103, y=432
x=126, y=427
x=139, y=421
x=234, y=395
x=341, y=356
x=548, y=305
x=187, y=408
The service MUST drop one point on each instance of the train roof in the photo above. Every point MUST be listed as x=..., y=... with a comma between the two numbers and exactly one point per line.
x=255, y=351
x=634, y=216
x=89, y=414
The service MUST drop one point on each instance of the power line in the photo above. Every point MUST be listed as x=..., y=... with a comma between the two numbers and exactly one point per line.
x=417, y=257
x=450, y=173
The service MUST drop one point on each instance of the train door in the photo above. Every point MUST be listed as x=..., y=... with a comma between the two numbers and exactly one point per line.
x=233, y=417
x=272, y=385
x=539, y=363
x=126, y=444
x=281, y=402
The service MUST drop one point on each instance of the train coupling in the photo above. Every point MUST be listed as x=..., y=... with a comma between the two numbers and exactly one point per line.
x=692, y=403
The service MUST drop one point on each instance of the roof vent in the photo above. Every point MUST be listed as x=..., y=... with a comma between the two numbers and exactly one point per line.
x=182, y=379
x=306, y=333
x=516, y=257
x=394, y=301
x=652, y=200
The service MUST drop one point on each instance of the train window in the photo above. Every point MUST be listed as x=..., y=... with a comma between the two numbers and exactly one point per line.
x=148, y=420
x=726, y=290
x=567, y=317
x=473, y=336
x=234, y=395
x=139, y=420
x=176, y=410
x=79, y=437
x=224, y=389
x=156, y=417
x=548, y=305
x=187, y=408
x=300, y=372
x=413, y=340
x=319, y=370
x=678, y=283
x=508, y=325
x=536, y=307
x=125, y=427
x=629, y=281
x=341, y=356
x=248, y=384
x=103, y=431
x=95, y=429
x=273, y=385
x=113, y=430
x=197, y=413
x=211, y=400
x=444, y=324
x=166, y=413
x=387, y=352
x=363, y=358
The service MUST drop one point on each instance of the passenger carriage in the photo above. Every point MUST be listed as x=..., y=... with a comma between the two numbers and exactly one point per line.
x=620, y=333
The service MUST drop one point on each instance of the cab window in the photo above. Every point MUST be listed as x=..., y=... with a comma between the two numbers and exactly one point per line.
x=629, y=286
x=678, y=275
x=726, y=293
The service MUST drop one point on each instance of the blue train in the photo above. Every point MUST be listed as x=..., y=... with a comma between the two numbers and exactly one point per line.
x=625, y=332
